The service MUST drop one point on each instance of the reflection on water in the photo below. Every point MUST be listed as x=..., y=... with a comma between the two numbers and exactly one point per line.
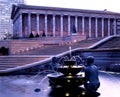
x=24, y=86
x=67, y=92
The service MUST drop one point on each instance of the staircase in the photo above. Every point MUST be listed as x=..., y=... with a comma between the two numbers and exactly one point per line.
x=23, y=45
x=113, y=43
x=7, y=62
x=57, y=49
x=37, y=54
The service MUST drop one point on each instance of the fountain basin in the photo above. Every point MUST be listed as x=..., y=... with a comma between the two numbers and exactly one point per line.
x=70, y=71
x=67, y=75
x=66, y=81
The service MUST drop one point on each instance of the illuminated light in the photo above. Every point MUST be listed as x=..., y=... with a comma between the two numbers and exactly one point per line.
x=70, y=76
x=27, y=49
x=75, y=41
x=67, y=94
x=83, y=93
x=71, y=66
x=68, y=80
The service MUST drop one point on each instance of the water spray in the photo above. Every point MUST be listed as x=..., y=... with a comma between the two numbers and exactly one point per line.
x=42, y=72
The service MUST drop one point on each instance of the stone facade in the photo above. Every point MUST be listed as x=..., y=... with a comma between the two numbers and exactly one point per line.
x=5, y=13
x=61, y=22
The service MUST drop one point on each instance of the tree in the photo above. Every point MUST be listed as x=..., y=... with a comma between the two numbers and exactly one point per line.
x=31, y=35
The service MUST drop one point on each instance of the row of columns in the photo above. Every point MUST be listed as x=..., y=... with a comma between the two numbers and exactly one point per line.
x=69, y=24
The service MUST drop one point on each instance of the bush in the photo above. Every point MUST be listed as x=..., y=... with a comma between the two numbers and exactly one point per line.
x=31, y=35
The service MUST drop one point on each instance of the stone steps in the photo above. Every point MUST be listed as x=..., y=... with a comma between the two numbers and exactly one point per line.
x=34, y=55
x=57, y=49
x=113, y=43
x=14, y=61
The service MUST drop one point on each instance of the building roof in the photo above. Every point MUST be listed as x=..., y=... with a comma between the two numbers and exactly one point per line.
x=31, y=7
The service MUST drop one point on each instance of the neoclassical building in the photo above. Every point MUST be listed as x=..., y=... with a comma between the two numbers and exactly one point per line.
x=61, y=22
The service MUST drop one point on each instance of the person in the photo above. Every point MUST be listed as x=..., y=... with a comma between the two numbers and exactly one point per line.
x=92, y=82
x=54, y=64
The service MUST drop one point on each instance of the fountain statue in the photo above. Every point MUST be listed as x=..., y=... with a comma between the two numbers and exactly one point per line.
x=68, y=73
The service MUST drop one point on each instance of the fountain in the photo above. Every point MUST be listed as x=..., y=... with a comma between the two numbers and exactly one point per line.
x=68, y=73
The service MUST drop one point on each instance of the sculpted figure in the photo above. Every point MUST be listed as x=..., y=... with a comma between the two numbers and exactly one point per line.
x=92, y=77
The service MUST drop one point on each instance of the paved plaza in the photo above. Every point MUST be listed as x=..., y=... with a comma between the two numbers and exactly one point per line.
x=25, y=86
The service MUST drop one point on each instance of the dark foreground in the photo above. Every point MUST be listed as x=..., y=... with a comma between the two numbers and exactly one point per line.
x=38, y=86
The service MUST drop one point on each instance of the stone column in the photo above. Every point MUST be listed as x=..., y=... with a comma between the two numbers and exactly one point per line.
x=76, y=23
x=68, y=25
x=29, y=24
x=38, y=23
x=96, y=27
x=61, y=25
x=102, y=27
x=90, y=34
x=114, y=29
x=83, y=25
x=46, y=30
x=20, y=27
x=108, y=26
x=54, y=25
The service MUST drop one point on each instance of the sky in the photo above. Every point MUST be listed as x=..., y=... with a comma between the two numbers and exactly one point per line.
x=110, y=5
